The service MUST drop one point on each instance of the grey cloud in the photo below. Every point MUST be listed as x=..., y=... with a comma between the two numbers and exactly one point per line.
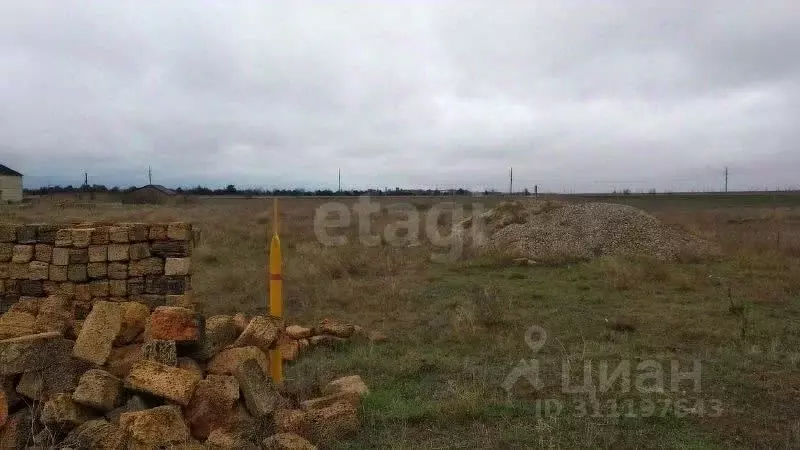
x=574, y=95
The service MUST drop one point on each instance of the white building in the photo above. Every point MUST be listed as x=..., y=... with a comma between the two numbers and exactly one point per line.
x=10, y=185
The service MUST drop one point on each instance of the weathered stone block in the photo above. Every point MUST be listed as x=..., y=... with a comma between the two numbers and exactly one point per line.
x=31, y=288
x=162, y=380
x=18, y=430
x=8, y=232
x=158, y=232
x=298, y=332
x=182, y=300
x=3, y=408
x=95, y=434
x=63, y=238
x=134, y=403
x=60, y=256
x=31, y=385
x=38, y=270
x=29, y=305
x=287, y=441
x=337, y=422
x=22, y=254
x=14, y=324
x=55, y=314
x=177, y=266
x=99, y=331
x=58, y=273
x=121, y=359
x=226, y=361
x=189, y=364
x=164, y=352
x=98, y=253
x=326, y=340
x=81, y=237
x=100, y=236
x=61, y=412
x=46, y=233
x=118, y=252
x=26, y=234
x=225, y=438
x=335, y=328
x=289, y=349
x=148, y=266
x=119, y=234
x=353, y=398
x=99, y=288
x=77, y=273
x=51, y=286
x=260, y=397
x=165, y=285
x=138, y=232
x=66, y=288
x=117, y=288
x=97, y=270
x=260, y=332
x=289, y=420
x=174, y=323
x=134, y=319
x=139, y=250
x=43, y=253
x=83, y=293
x=212, y=405
x=162, y=426
x=135, y=286
x=117, y=271
x=151, y=300
x=171, y=249
x=179, y=231
x=6, y=252
x=78, y=255
x=98, y=389
x=19, y=271
x=219, y=332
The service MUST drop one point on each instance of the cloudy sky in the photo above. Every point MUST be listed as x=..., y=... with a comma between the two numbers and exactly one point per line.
x=576, y=95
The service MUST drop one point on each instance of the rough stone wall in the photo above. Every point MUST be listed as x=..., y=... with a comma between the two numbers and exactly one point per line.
x=146, y=263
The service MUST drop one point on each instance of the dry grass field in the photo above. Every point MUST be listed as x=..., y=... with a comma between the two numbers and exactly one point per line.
x=457, y=329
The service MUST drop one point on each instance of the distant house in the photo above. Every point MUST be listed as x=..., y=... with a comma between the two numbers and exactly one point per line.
x=10, y=185
x=151, y=194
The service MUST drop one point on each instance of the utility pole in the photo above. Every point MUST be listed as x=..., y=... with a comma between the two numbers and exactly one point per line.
x=86, y=179
x=510, y=180
x=149, y=175
x=536, y=190
x=340, y=180
x=726, y=179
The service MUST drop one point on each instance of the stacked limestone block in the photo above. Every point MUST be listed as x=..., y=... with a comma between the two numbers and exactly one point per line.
x=146, y=263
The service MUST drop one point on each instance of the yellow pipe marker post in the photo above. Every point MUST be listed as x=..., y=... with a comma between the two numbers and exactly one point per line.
x=275, y=292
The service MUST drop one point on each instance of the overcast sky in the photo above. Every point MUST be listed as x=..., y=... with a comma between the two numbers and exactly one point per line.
x=575, y=95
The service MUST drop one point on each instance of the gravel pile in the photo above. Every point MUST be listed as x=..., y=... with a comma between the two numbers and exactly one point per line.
x=558, y=231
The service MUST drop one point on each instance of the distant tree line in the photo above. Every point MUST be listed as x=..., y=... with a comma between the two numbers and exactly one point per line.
x=254, y=192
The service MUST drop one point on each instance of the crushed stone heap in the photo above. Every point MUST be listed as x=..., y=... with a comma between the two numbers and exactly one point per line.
x=560, y=231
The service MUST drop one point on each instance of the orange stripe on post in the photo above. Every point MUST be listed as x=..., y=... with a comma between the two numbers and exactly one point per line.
x=275, y=276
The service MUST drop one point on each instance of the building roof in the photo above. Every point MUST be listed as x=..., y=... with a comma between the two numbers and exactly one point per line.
x=157, y=187
x=6, y=171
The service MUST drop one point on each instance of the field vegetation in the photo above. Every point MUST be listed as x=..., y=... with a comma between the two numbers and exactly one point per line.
x=456, y=329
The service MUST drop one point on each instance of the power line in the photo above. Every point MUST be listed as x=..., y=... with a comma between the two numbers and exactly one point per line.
x=726, y=178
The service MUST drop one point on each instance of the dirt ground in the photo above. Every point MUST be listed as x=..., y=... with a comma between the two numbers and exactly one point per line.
x=457, y=325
